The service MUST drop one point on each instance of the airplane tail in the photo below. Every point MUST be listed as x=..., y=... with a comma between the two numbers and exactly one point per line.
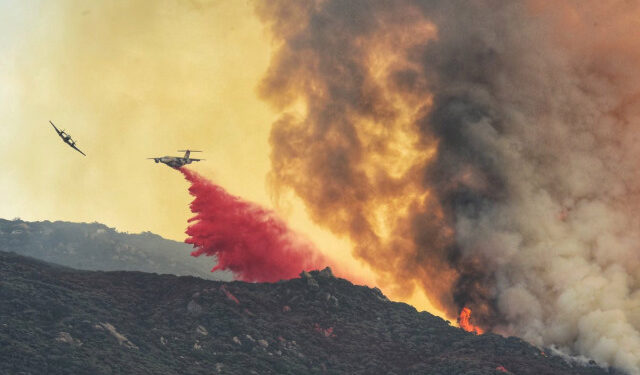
x=187, y=153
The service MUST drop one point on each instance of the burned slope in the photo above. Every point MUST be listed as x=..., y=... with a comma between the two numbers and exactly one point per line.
x=57, y=320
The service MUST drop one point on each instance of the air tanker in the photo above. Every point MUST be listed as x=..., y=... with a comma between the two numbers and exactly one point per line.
x=66, y=138
x=177, y=161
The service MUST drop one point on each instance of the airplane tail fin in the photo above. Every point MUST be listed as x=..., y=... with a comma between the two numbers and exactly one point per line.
x=188, y=152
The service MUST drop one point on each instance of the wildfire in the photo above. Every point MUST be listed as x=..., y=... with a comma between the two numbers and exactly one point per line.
x=464, y=320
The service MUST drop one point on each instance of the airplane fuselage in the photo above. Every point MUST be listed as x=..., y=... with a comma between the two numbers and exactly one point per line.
x=177, y=161
x=173, y=161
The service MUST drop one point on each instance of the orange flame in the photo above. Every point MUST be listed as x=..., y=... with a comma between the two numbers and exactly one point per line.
x=465, y=322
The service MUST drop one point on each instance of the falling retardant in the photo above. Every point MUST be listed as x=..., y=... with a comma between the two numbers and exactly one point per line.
x=247, y=239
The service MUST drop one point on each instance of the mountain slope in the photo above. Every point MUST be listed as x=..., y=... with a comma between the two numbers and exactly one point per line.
x=57, y=320
x=97, y=247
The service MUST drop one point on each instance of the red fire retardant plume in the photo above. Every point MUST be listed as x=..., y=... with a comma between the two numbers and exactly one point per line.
x=247, y=239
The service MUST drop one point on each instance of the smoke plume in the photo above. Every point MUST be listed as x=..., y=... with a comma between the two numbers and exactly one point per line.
x=486, y=151
x=246, y=239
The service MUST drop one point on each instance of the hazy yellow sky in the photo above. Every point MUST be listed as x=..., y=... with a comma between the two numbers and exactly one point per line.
x=131, y=79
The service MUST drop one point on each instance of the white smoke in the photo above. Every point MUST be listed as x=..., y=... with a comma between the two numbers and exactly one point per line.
x=565, y=242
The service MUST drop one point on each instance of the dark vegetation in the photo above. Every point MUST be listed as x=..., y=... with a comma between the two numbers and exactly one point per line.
x=97, y=247
x=56, y=320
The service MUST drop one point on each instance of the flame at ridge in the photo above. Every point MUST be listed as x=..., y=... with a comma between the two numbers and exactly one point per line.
x=464, y=320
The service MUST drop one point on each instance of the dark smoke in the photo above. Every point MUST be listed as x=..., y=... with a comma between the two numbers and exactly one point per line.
x=246, y=239
x=485, y=150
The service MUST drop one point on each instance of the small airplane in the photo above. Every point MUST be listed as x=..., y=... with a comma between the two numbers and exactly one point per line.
x=177, y=161
x=66, y=138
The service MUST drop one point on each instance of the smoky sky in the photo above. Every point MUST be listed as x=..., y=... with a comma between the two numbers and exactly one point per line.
x=484, y=151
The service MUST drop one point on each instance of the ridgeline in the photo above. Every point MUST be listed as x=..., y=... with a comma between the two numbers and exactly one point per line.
x=57, y=320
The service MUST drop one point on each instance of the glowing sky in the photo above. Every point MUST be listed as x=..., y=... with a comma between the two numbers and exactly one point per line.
x=130, y=80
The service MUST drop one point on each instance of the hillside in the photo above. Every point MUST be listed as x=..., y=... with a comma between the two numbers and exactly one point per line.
x=97, y=247
x=56, y=320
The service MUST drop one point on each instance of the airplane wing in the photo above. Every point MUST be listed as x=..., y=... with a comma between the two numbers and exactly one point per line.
x=57, y=130
x=196, y=159
x=77, y=149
